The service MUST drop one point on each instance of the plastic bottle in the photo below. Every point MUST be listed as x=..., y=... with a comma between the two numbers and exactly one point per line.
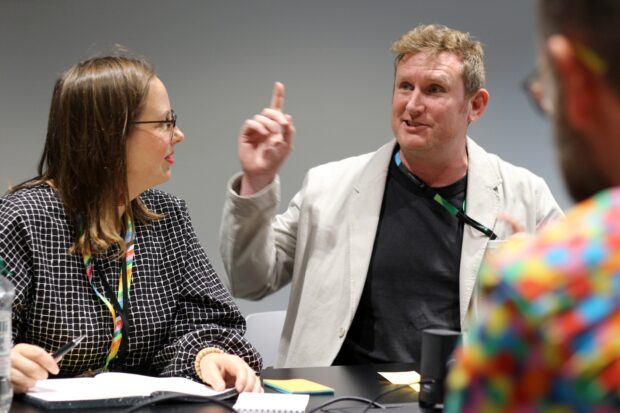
x=7, y=292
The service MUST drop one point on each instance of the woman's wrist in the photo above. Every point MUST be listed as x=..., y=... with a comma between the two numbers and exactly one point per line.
x=202, y=354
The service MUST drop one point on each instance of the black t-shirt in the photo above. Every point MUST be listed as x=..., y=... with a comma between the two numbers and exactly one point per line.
x=413, y=276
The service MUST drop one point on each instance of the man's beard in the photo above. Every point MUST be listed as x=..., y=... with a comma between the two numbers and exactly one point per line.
x=582, y=175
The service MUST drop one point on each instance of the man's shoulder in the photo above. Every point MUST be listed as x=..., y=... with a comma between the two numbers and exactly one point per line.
x=342, y=164
x=349, y=166
x=567, y=252
x=489, y=163
x=339, y=177
x=563, y=283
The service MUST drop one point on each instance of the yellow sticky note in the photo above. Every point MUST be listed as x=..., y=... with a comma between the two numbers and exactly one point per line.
x=411, y=378
x=302, y=386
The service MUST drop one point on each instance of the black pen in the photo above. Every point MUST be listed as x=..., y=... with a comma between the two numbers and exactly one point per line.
x=68, y=347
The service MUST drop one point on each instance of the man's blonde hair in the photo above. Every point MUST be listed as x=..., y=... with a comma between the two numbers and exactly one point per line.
x=435, y=39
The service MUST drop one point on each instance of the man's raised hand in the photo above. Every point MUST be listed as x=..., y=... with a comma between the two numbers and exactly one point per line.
x=265, y=142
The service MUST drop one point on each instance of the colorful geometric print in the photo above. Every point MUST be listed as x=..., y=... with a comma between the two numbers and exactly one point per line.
x=551, y=338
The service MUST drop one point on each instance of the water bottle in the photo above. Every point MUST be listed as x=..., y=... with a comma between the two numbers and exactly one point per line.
x=7, y=292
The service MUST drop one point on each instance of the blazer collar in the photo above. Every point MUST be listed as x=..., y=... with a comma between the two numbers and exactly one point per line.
x=483, y=204
x=363, y=216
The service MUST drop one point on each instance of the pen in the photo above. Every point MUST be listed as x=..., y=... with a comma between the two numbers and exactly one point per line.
x=68, y=347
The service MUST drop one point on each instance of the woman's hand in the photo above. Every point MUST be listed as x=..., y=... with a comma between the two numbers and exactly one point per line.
x=220, y=370
x=30, y=363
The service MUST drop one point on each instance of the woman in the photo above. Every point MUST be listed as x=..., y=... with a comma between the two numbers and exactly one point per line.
x=93, y=250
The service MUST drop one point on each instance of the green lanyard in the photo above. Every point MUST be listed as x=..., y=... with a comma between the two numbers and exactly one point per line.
x=4, y=269
x=459, y=213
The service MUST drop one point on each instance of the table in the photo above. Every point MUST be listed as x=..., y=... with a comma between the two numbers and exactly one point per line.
x=361, y=381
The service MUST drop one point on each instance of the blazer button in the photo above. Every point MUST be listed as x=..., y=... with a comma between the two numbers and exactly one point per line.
x=341, y=332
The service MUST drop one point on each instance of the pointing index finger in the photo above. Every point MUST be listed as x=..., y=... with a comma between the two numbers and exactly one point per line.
x=277, y=99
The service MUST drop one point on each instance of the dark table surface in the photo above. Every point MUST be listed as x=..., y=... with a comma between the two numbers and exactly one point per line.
x=361, y=381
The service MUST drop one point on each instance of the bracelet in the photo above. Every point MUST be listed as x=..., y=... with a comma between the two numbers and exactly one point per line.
x=201, y=354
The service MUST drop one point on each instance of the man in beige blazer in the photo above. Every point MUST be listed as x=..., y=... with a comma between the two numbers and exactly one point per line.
x=380, y=246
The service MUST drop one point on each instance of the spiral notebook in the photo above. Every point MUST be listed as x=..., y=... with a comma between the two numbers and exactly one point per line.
x=271, y=402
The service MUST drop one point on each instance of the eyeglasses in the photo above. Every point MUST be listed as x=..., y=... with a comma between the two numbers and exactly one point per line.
x=170, y=123
x=534, y=88
x=537, y=88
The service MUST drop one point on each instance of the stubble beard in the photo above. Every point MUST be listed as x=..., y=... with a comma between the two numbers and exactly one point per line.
x=582, y=175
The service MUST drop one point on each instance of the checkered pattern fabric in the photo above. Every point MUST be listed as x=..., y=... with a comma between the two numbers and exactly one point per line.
x=177, y=304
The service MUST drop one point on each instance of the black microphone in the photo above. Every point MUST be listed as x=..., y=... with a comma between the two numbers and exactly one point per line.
x=437, y=348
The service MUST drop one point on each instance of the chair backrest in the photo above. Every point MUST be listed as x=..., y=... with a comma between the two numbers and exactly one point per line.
x=263, y=331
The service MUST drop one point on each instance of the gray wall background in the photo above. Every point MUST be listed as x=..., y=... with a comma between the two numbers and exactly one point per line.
x=219, y=60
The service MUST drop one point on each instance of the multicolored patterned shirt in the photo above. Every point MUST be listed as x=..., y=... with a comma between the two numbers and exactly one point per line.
x=550, y=340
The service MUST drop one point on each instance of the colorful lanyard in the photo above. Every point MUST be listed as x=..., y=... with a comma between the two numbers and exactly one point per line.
x=459, y=213
x=122, y=296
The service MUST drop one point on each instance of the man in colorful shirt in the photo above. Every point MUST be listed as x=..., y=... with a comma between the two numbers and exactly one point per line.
x=550, y=341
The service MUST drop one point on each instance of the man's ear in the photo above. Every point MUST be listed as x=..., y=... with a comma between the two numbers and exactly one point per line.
x=477, y=104
x=579, y=84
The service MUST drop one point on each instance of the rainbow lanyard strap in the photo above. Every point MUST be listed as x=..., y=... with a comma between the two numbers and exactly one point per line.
x=116, y=307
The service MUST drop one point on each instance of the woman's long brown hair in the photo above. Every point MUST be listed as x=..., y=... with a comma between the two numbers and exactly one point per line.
x=93, y=105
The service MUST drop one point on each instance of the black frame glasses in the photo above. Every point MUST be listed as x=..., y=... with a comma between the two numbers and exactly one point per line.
x=172, y=122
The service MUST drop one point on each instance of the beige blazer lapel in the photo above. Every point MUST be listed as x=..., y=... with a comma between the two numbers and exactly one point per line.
x=364, y=207
x=363, y=216
x=482, y=204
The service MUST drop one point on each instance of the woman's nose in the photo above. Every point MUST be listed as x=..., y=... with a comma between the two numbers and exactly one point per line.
x=177, y=136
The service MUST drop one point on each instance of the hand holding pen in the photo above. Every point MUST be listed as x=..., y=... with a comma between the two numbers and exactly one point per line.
x=30, y=363
x=58, y=354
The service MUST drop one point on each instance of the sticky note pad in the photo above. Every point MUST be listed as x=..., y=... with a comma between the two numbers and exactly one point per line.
x=412, y=378
x=301, y=386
